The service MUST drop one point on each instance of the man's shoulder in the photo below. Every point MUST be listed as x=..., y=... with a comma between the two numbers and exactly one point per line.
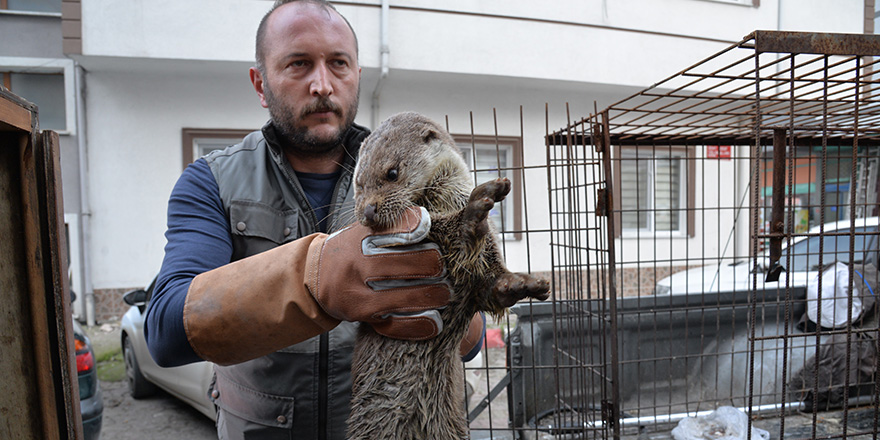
x=250, y=143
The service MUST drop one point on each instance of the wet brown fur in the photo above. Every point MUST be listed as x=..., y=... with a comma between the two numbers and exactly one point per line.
x=415, y=389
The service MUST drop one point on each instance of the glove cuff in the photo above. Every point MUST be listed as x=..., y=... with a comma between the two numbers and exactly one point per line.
x=254, y=306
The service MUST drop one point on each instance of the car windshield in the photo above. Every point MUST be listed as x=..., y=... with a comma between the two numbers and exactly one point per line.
x=805, y=254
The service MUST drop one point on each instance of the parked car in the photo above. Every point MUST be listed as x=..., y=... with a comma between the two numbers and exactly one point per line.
x=91, y=402
x=188, y=383
x=804, y=264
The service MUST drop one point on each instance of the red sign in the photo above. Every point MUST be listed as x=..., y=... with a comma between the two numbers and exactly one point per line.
x=718, y=151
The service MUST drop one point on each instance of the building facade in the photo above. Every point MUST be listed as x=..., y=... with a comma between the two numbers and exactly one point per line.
x=139, y=89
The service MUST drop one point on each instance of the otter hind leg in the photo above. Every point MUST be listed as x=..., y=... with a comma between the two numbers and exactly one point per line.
x=508, y=287
x=512, y=287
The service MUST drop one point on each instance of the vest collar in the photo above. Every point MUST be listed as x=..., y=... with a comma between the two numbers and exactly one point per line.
x=351, y=142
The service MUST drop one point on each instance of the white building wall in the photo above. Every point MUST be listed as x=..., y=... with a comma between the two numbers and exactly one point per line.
x=518, y=38
x=135, y=157
x=157, y=67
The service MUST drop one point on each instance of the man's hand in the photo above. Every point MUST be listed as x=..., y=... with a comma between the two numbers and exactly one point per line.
x=387, y=278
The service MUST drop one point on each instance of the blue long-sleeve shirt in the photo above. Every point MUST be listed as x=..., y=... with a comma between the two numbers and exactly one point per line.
x=198, y=241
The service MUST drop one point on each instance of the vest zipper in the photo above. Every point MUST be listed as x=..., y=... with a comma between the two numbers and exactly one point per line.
x=323, y=355
x=335, y=204
x=297, y=188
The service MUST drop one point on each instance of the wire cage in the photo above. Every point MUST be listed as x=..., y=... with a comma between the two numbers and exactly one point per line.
x=713, y=242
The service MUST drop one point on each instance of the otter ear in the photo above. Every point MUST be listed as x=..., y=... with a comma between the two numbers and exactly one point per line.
x=429, y=134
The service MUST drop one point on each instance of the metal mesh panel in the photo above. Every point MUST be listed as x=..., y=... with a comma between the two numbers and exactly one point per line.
x=713, y=241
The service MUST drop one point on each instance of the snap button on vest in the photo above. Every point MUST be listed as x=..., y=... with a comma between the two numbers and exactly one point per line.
x=215, y=394
x=286, y=231
x=241, y=226
x=281, y=419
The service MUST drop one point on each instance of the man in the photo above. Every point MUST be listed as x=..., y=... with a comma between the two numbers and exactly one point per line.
x=248, y=280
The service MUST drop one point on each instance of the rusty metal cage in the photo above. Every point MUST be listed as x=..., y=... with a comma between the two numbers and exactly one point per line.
x=713, y=242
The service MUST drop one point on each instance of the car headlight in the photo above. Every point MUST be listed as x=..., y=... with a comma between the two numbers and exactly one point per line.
x=662, y=290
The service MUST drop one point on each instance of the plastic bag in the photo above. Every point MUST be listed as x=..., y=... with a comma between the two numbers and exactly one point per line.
x=835, y=300
x=725, y=423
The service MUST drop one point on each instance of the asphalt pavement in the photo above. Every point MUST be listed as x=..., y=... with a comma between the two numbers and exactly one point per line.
x=160, y=416
x=157, y=417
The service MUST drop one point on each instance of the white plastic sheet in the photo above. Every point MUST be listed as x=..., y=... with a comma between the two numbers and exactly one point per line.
x=725, y=423
x=835, y=300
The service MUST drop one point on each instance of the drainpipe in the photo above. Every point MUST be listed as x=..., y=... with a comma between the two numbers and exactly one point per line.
x=384, y=53
x=85, y=212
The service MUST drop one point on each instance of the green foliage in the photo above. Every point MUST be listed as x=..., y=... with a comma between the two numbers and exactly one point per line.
x=111, y=367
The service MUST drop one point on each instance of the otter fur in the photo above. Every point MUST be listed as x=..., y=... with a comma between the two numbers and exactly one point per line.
x=415, y=389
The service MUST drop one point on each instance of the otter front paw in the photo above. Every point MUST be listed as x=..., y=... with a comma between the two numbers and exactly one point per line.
x=512, y=287
x=481, y=201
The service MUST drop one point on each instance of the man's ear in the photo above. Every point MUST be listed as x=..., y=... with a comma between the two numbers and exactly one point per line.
x=257, y=81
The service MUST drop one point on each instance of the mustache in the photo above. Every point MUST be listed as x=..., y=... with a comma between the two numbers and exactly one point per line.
x=322, y=104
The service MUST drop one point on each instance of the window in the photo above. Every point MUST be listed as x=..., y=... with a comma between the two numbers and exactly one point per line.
x=655, y=188
x=873, y=22
x=44, y=6
x=198, y=142
x=46, y=82
x=46, y=90
x=496, y=157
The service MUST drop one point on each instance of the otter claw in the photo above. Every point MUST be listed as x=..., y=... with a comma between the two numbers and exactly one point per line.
x=512, y=287
x=482, y=199
x=494, y=190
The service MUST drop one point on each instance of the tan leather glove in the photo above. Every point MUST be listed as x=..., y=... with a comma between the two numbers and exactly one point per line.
x=260, y=304
x=388, y=279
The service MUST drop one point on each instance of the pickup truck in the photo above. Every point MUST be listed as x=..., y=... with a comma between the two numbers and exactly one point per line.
x=678, y=356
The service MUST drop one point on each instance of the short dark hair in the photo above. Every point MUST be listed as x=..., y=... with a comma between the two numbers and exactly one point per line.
x=261, y=30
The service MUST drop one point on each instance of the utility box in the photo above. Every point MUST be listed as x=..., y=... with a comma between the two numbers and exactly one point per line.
x=38, y=390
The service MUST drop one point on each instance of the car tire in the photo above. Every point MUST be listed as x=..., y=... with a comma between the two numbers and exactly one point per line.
x=138, y=385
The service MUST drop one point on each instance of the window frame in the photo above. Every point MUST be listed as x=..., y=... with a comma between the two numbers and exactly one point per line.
x=748, y=3
x=190, y=135
x=56, y=66
x=4, y=9
x=688, y=153
x=513, y=201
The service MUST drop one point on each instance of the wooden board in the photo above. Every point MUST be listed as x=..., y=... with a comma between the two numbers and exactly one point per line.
x=39, y=393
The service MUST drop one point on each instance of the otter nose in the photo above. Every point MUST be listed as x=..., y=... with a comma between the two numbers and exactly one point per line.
x=370, y=212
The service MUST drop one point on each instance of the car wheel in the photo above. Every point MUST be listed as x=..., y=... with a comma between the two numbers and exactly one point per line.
x=138, y=385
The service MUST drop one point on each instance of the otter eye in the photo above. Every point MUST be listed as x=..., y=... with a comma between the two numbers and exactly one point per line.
x=392, y=174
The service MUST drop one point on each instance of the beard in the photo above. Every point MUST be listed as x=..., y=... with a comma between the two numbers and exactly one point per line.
x=296, y=137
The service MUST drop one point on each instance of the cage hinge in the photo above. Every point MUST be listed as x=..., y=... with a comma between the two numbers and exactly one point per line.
x=608, y=414
x=598, y=138
x=603, y=202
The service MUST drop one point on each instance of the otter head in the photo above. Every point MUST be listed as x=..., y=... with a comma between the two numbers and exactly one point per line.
x=408, y=161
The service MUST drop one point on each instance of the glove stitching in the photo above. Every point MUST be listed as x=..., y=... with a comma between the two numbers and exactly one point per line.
x=315, y=274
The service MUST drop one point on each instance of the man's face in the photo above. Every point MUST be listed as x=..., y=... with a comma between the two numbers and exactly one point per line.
x=310, y=78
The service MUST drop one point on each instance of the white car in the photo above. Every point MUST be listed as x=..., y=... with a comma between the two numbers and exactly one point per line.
x=188, y=383
x=804, y=265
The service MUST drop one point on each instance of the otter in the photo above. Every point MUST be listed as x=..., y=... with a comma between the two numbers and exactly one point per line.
x=415, y=389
